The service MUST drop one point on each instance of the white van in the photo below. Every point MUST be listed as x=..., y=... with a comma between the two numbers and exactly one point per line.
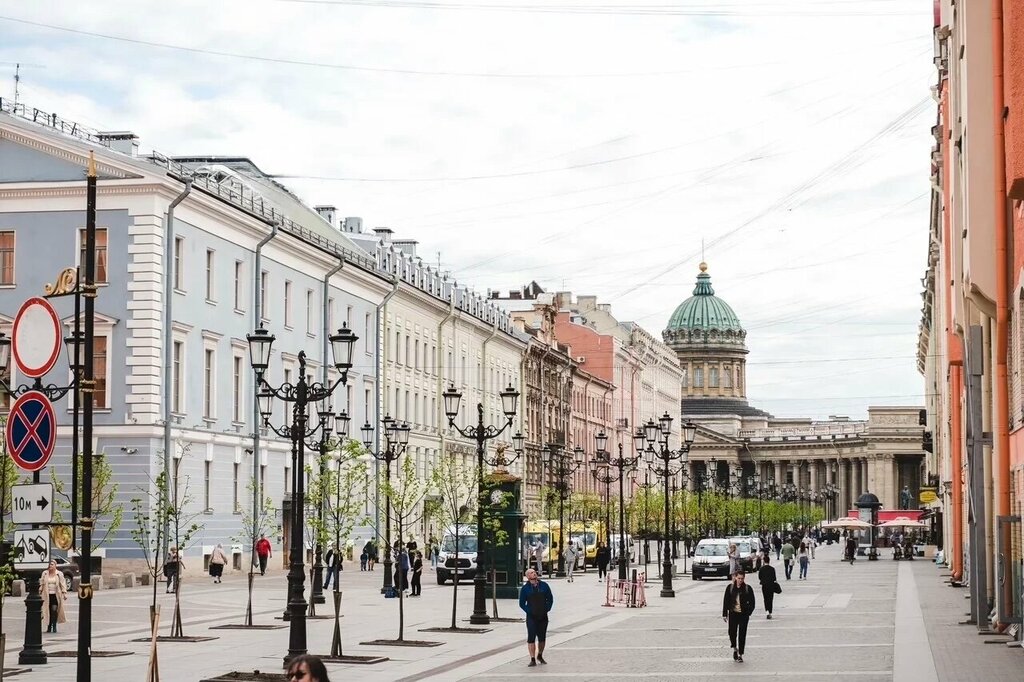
x=457, y=565
x=711, y=559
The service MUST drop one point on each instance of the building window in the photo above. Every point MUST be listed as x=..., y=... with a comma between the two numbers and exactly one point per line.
x=714, y=377
x=7, y=258
x=698, y=377
x=398, y=347
x=179, y=263
x=309, y=311
x=101, y=254
x=330, y=314
x=264, y=314
x=366, y=332
x=207, y=474
x=209, y=275
x=287, y=411
x=177, y=367
x=209, y=376
x=287, y=304
x=366, y=405
x=239, y=283
x=727, y=377
x=263, y=482
x=739, y=379
x=234, y=503
x=416, y=354
x=348, y=317
x=236, y=388
x=99, y=369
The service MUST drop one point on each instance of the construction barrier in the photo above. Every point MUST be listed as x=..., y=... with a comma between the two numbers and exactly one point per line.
x=629, y=593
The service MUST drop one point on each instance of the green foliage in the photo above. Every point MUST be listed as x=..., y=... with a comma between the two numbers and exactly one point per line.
x=105, y=509
x=339, y=491
x=263, y=522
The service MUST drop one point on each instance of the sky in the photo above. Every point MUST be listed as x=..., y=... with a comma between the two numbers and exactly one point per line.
x=602, y=148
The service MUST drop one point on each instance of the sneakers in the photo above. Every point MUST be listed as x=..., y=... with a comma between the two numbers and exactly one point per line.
x=532, y=663
x=540, y=659
x=769, y=616
x=735, y=655
x=739, y=658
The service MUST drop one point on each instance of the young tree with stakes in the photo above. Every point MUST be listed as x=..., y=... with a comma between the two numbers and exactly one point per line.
x=104, y=499
x=455, y=483
x=253, y=526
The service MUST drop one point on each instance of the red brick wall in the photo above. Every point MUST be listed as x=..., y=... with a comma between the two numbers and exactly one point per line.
x=1013, y=71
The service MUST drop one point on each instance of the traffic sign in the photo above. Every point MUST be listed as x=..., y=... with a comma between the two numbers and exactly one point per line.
x=31, y=431
x=32, y=503
x=31, y=548
x=36, y=341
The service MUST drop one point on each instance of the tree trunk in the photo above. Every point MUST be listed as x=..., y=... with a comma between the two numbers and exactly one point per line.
x=455, y=580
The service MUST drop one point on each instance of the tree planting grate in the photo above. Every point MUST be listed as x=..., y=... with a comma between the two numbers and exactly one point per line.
x=95, y=654
x=248, y=627
x=402, y=642
x=461, y=631
x=168, y=638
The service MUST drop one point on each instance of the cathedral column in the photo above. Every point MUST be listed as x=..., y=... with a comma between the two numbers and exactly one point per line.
x=779, y=477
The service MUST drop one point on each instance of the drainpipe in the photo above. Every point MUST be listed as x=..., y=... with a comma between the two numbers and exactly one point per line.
x=378, y=362
x=169, y=336
x=327, y=318
x=483, y=362
x=442, y=420
x=954, y=351
x=257, y=314
x=1001, y=418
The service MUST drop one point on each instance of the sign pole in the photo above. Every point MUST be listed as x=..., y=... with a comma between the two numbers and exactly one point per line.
x=75, y=406
x=32, y=652
x=88, y=386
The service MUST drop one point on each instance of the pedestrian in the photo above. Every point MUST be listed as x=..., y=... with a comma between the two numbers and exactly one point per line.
x=172, y=569
x=569, y=557
x=306, y=668
x=734, y=558
x=787, y=558
x=417, y=572
x=363, y=558
x=371, y=554
x=217, y=562
x=812, y=542
x=737, y=606
x=263, y=552
x=333, y=561
x=411, y=545
x=805, y=560
x=402, y=574
x=538, y=555
x=851, y=548
x=769, y=584
x=434, y=552
x=536, y=600
x=603, y=556
x=54, y=591
x=777, y=544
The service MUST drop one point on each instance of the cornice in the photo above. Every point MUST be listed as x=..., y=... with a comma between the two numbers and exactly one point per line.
x=76, y=158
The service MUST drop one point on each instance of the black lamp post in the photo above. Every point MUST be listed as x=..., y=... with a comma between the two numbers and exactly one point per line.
x=482, y=433
x=396, y=441
x=647, y=487
x=622, y=463
x=299, y=396
x=656, y=434
x=340, y=426
x=603, y=475
x=765, y=491
x=563, y=463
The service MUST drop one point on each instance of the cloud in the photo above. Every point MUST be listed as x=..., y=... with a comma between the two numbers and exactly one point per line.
x=607, y=179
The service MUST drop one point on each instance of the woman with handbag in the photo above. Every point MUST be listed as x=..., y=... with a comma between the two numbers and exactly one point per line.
x=769, y=584
x=736, y=609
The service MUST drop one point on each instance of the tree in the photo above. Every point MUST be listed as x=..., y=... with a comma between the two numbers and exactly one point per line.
x=104, y=499
x=455, y=483
x=262, y=522
x=405, y=496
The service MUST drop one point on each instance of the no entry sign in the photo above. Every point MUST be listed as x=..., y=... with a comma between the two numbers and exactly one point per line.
x=31, y=431
x=36, y=341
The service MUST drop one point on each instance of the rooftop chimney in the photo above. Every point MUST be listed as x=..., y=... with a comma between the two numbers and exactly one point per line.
x=408, y=246
x=353, y=225
x=327, y=213
x=586, y=302
x=384, y=233
x=123, y=141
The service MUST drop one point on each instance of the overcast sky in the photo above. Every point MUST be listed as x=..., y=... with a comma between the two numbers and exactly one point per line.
x=589, y=147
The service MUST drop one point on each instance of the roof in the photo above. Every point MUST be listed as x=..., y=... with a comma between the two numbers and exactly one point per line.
x=708, y=406
x=704, y=311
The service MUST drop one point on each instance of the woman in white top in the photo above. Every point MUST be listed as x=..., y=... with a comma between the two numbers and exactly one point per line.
x=569, y=556
x=53, y=589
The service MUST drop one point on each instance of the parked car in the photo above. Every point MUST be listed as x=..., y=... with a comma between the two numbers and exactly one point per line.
x=69, y=569
x=710, y=559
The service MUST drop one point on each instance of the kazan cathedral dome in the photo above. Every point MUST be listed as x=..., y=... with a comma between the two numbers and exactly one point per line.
x=711, y=346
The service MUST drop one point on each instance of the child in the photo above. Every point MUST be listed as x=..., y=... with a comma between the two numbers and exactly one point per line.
x=362, y=560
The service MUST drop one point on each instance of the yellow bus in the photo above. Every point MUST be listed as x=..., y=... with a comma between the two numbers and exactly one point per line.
x=545, y=532
x=587, y=534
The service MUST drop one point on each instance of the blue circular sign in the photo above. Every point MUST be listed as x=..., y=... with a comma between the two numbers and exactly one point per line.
x=31, y=431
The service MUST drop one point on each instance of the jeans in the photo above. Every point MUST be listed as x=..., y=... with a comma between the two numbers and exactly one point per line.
x=804, y=563
x=738, y=631
x=768, y=594
x=328, y=573
x=789, y=568
x=263, y=563
x=602, y=570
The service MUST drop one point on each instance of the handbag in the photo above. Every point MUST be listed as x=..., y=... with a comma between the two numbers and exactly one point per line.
x=778, y=588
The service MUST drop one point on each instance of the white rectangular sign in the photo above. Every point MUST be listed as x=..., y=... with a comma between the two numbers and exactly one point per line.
x=32, y=503
x=31, y=548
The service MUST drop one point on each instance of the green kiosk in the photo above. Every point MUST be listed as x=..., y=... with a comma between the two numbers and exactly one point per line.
x=503, y=532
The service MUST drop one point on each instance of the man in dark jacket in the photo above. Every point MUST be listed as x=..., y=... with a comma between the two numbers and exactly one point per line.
x=602, y=558
x=736, y=609
x=536, y=600
x=766, y=576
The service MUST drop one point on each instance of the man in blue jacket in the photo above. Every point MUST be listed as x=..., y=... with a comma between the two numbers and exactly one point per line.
x=535, y=599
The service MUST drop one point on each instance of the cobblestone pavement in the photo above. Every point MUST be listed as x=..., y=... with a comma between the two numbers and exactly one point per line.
x=871, y=621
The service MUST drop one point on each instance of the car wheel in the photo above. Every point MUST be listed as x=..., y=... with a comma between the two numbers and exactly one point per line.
x=67, y=581
x=696, y=577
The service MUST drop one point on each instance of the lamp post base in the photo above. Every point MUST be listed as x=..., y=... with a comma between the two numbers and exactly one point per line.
x=668, y=592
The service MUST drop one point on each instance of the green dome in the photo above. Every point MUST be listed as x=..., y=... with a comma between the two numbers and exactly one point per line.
x=703, y=311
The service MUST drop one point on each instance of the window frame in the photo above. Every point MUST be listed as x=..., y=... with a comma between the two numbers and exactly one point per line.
x=14, y=258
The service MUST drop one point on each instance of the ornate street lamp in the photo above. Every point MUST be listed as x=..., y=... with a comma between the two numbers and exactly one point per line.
x=396, y=442
x=563, y=463
x=482, y=433
x=623, y=464
x=298, y=395
x=652, y=442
